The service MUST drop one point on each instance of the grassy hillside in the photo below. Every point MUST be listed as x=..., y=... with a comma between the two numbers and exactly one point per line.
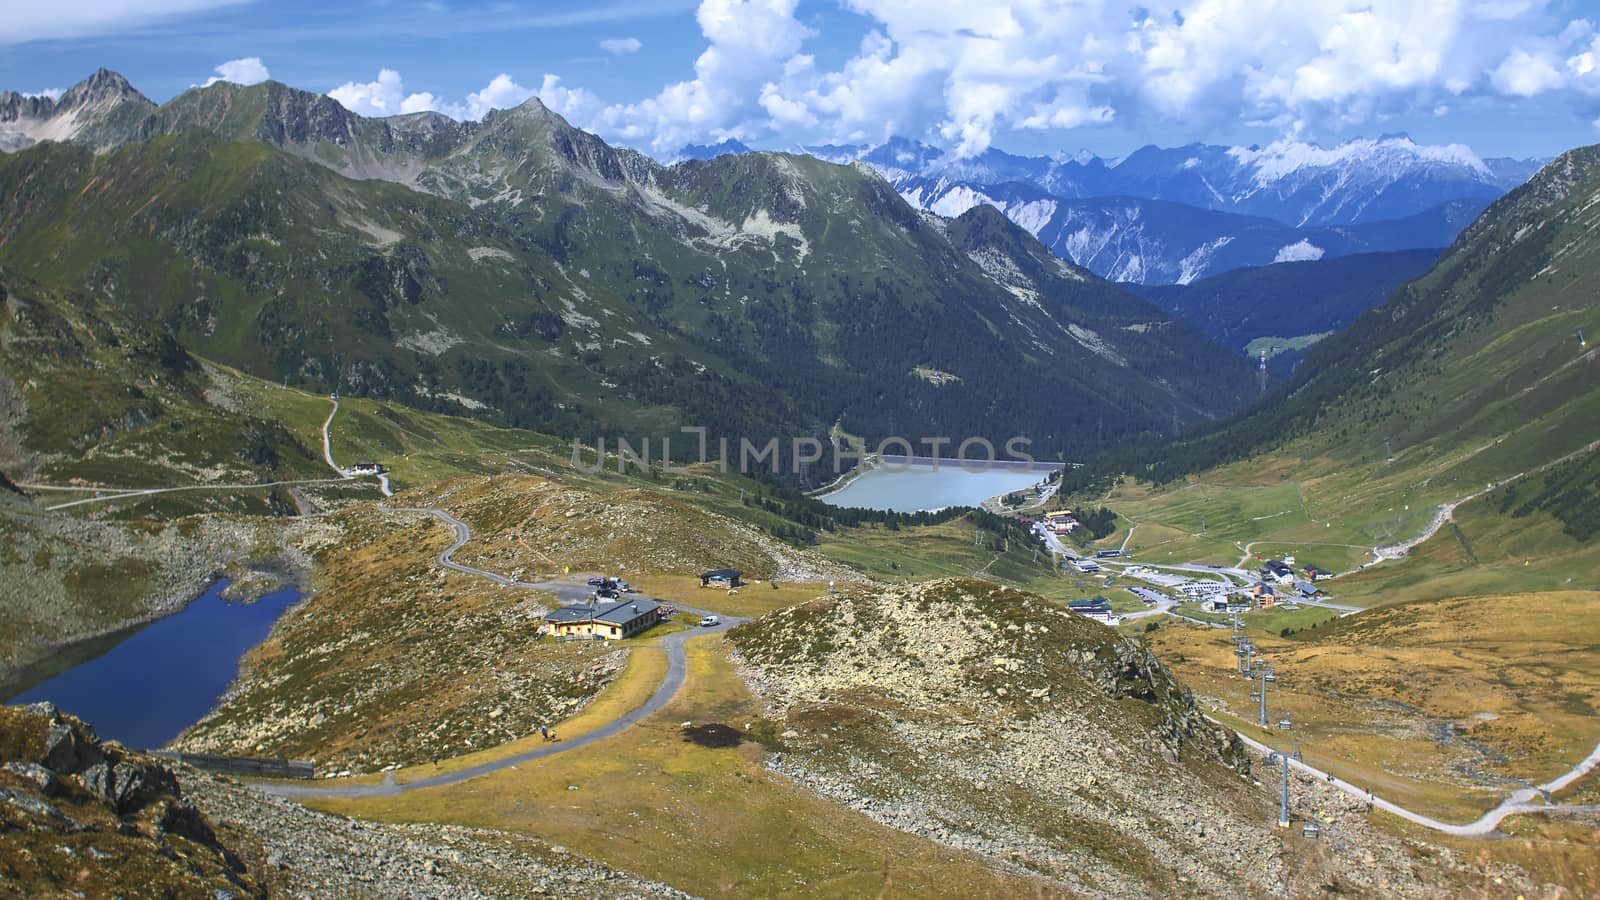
x=1290, y=299
x=523, y=272
x=1440, y=705
x=1472, y=372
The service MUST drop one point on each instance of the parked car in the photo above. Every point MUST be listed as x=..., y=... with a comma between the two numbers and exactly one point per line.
x=596, y=582
x=710, y=621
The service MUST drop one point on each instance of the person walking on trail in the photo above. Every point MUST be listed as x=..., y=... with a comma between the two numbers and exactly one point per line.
x=544, y=732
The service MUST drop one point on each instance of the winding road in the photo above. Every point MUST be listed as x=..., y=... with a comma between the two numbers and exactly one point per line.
x=677, y=669
x=1520, y=801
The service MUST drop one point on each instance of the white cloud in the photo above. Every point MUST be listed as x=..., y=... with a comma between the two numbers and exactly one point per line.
x=1300, y=251
x=384, y=97
x=963, y=73
x=37, y=21
x=387, y=97
x=52, y=93
x=621, y=46
x=248, y=70
x=500, y=93
x=1525, y=74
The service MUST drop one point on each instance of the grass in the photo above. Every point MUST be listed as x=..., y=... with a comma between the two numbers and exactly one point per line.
x=647, y=665
x=706, y=820
x=1275, y=345
x=750, y=601
x=1440, y=705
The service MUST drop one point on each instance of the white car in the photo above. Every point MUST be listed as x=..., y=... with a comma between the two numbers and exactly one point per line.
x=710, y=621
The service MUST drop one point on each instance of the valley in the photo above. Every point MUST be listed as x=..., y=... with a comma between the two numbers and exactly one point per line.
x=358, y=367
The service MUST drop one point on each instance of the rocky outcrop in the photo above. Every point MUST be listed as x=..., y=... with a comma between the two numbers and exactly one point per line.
x=990, y=720
x=77, y=811
x=87, y=817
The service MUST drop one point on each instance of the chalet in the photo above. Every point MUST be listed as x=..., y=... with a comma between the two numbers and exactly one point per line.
x=1277, y=570
x=1060, y=515
x=1315, y=574
x=367, y=468
x=723, y=578
x=611, y=620
x=1308, y=590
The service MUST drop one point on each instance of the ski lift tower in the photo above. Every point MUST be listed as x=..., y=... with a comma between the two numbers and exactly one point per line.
x=1245, y=649
x=1265, y=673
x=1281, y=758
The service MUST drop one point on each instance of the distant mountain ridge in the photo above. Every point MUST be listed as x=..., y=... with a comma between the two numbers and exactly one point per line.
x=1143, y=241
x=1298, y=184
x=1175, y=215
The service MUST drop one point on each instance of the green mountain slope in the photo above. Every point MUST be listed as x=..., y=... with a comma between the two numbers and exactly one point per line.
x=1480, y=356
x=1289, y=299
x=526, y=273
x=1443, y=446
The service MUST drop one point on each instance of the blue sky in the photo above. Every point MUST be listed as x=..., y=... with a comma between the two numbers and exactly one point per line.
x=1506, y=77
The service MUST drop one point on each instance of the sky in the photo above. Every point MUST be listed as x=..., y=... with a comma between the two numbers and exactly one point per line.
x=1504, y=77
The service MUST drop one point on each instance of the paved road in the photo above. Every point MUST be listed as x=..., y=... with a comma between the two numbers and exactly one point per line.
x=1519, y=802
x=677, y=669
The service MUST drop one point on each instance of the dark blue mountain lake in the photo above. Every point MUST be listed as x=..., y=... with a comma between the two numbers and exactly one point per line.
x=145, y=685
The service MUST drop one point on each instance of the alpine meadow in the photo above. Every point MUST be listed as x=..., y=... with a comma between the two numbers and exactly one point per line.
x=766, y=456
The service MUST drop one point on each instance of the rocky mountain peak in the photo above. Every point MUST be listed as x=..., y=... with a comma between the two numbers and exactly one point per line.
x=103, y=86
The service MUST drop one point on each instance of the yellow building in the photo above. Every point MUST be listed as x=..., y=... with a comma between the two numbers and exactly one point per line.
x=610, y=619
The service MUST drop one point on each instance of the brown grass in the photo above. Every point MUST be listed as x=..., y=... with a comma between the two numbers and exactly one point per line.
x=711, y=821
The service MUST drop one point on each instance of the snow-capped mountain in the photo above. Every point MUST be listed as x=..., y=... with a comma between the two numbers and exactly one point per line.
x=1172, y=215
x=1296, y=183
x=1136, y=239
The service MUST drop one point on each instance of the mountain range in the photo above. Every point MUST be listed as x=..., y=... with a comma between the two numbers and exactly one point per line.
x=1173, y=215
x=525, y=272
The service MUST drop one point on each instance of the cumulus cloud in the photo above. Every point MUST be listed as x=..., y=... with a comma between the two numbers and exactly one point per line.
x=248, y=70
x=387, y=96
x=621, y=46
x=961, y=73
x=384, y=97
x=52, y=93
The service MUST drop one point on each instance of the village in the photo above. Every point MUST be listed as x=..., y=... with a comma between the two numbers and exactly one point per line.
x=1185, y=591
